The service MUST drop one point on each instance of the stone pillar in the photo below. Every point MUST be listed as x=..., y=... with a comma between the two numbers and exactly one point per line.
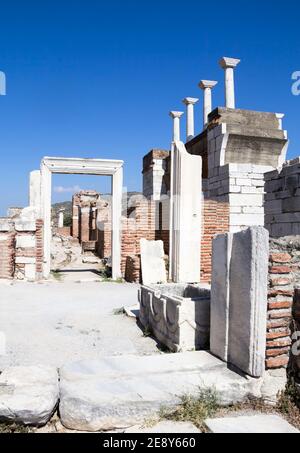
x=228, y=64
x=190, y=122
x=176, y=125
x=206, y=86
x=117, y=193
x=239, y=299
x=85, y=224
x=35, y=191
x=155, y=174
x=61, y=215
x=280, y=117
x=185, y=215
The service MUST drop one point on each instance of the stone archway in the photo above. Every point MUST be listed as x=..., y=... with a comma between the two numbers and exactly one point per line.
x=60, y=165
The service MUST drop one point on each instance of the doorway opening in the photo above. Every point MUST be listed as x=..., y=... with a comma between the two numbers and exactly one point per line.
x=87, y=212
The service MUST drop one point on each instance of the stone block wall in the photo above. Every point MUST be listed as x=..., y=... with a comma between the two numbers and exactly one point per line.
x=156, y=174
x=282, y=200
x=21, y=249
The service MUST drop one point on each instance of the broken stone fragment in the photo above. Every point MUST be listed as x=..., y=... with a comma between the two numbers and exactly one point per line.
x=28, y=395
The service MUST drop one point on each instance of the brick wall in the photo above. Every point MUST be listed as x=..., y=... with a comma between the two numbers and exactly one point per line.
x=39, y=248
x=280, y=302
x=140, y=225
x=65, y=231
x=7, y=254
x=215, y=221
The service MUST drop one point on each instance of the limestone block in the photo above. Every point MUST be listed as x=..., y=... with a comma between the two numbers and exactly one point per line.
x=21, y=225
x=252, y=190
x=244, y=182
x=248, y=300
x=273, y=207
x=234, y=189
x=219, y=323
x=281, y=230
x=118, y=392
x=257, y=180
x=247, y=219
x=30, y=272
x=261, y=169
x=239, y=299
x=5, y=225
x=291, y=204
x=274, y=382
x=25, y=241
x=152, y=262
x=251, y=424
x=246, y=200
x=253, y=210
x=25, y=260
x=28, y=395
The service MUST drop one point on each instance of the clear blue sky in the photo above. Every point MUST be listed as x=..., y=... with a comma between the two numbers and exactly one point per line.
x=97, y=78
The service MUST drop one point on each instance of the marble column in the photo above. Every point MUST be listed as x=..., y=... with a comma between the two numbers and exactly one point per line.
x=207, y=86
x=61, y=218
x=190, y=122
x=176, y=125
x=228, y=64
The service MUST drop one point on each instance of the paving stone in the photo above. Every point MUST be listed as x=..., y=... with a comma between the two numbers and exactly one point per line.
x=266, y=424
x=119, y=392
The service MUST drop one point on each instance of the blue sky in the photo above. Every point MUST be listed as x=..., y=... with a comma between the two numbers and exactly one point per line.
x=97, y=78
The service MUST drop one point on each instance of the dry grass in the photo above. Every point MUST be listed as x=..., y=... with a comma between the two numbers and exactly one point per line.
x=194, y=410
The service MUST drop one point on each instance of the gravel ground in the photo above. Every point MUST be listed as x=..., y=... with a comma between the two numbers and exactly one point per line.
x=54, y=323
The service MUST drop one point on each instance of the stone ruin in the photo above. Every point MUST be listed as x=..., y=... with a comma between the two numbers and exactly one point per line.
x=225, y=205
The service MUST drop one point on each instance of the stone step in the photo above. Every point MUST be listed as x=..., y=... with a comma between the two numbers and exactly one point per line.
x=252, y=424
x=120, y=392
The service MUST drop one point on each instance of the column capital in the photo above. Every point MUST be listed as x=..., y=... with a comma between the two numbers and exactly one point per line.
x=190, y=101
x=207, y=84
x=228, y=62
x=174, y=114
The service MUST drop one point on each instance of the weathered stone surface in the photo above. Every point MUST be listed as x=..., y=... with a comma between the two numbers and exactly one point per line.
x=177, y=315
x=28, y=395
x=152, y=261
x=119, y=392
x=165, y=427
x=219, y=325
x=274, y=383
x=239, y=299
x=265, y=424
x=248, y=300
x=185, y=215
